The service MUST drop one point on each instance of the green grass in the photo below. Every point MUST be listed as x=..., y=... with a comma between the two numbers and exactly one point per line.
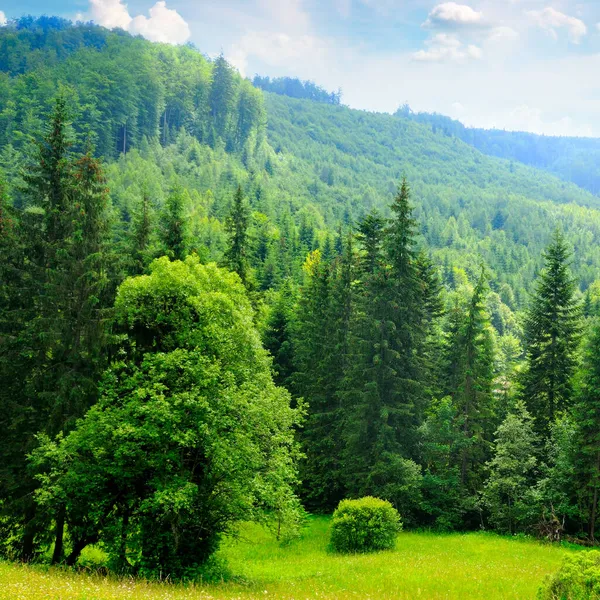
x=423, y=565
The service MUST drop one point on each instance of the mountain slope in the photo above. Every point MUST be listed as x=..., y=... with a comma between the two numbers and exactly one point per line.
x=305, y=166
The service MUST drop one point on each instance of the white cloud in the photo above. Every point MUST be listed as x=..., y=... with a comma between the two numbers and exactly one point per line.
x=110, y=13
x=526, y=118
x=451, y=14
x=2, y=19
x=447, y=47
x=502, y=34
x=277, y=49
x=163, y=25
x=551, y=19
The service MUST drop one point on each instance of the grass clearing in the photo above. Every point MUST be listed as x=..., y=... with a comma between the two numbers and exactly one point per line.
x=423, y=565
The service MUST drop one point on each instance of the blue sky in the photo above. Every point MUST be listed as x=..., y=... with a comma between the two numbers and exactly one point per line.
x=516, y=64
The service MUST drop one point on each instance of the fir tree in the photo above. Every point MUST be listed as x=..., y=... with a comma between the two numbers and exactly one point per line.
x=587, y=419
x=236, y=255
x=552, y=331
x=512, y=471
x=175, y=225
x=469, y=376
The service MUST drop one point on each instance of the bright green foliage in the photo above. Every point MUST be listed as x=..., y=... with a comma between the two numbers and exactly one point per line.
x=190, y=434
x=512, y=472
x=552, y=329
x=555, y=499
x=577, y=579
x=364, y=525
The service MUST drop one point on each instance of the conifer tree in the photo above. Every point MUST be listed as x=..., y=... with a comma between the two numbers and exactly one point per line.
x=512, y=471
x=587, y=419
x=381, y=386
x=60, y=342
x=236, y=255
x=278, y=338
x=552, y=331
x=316, y=380
x=469, y=376
x=175, y=224
x=141, y=234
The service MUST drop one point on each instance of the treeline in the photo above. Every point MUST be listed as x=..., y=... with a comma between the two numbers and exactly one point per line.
x=295, y=88
x=424, y=393
x=137, y=412
x=124, y=88
x=416, y=397
x=570, y=158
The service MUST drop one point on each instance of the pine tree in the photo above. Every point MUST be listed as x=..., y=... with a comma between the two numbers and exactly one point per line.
x=278, y=337
x=141, y=234
x=512, y=471
x=174, y=232
x=587, y=419
x=238, y=221
x=317, y=381
x=469, y=375
x=382, y=387
x=552, y=331
x=58, y=347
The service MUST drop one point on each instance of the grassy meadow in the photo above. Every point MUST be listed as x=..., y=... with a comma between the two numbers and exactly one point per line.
x=423, y=565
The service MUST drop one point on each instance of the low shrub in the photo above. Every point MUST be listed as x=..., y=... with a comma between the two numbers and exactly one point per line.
x=364, y=525
x=577, y=579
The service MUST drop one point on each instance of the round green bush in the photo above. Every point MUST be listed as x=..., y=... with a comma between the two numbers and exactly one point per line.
x=577, y=579
x=364, y=525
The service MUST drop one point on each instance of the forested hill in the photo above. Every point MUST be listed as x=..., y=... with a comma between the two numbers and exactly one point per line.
x=573, y=159
x=179, y=118
x=472, y=207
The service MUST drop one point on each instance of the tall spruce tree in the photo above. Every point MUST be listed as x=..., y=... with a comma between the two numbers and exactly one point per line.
x=382, y=386
x=317, y=379
x=175, y=224
x=587, y=419
x=552, y=333
x=469, y=375
x=59, y=346
x=236, y=225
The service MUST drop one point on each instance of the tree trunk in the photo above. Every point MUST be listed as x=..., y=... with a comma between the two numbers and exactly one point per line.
x=78, y=547
x=28, y=549
x=57, y=555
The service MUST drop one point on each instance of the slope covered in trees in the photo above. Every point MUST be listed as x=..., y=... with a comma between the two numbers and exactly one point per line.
x=570, y=158
x=152, y=242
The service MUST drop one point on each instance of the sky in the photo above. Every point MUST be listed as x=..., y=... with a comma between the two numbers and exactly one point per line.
x=528, y=65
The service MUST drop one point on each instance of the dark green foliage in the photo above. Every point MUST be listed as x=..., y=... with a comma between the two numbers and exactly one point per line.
x=587, y=417
x=577, y=579
x=57, y=337
x=468, y=381
x=364, y=525
x=236, y=225
x=174, y=234
x=552, y=331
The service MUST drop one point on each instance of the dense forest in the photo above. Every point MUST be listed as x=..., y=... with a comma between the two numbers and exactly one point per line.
x=571, y=159
x=220, y=304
